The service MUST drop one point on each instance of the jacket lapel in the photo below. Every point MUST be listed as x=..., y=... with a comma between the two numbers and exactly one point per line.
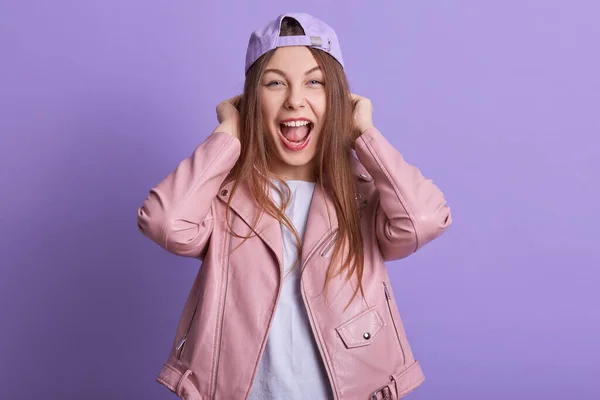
x=322, y=220
x=267, y=228
x=321, y=224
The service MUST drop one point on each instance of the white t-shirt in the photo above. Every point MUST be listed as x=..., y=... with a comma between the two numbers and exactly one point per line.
x=291, y=367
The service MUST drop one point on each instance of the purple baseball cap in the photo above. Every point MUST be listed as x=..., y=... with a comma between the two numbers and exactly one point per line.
x=319, y=35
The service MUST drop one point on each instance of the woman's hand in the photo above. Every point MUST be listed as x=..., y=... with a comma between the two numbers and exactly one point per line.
x=229, y=116
x=363, y=114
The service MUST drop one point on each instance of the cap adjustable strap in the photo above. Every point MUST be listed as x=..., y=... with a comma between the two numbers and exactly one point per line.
x=314, y=41
x=317, y=41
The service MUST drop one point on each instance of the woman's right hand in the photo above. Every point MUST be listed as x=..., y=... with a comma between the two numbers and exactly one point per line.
x=229, y=116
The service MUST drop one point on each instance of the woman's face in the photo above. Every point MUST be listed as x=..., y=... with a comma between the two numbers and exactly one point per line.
x=293, y=107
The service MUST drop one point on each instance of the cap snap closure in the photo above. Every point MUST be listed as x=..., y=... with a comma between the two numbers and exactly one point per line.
x=224, y=192
x=367, y=335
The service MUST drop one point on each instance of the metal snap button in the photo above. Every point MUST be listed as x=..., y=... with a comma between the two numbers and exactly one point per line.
x=367, y=335
x=224, y=192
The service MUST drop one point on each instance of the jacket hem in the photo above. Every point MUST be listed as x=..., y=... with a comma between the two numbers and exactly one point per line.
x=179, y=383
x=408, y=380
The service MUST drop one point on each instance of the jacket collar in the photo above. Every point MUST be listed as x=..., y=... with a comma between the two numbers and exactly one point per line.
x=321, y=221
x=267, y=228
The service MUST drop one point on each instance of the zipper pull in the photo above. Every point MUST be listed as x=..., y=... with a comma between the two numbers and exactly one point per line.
x=387, y=293
x=332, y=239
x=180, y=345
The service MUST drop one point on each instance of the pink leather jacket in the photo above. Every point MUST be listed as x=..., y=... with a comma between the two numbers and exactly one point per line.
x=226, y=319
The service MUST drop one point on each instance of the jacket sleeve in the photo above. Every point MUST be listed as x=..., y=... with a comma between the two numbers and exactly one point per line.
x=178, y=212
x=412, y=211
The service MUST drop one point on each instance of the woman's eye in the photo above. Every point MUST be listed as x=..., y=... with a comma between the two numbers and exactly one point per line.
x=274, y=83
x=315, y=82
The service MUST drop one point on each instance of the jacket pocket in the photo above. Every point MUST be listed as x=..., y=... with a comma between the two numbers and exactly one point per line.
x=329, y=245
x=179, y=349
x=390, y=305
x=181, y=345
x=362, y=329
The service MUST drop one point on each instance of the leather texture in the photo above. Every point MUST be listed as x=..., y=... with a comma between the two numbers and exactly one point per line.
x=225, y=321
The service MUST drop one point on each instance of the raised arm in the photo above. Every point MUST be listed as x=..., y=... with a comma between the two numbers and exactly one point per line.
x=412, y=211
x=178, y=212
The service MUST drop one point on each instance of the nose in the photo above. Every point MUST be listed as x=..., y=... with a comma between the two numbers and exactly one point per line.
x=295, y=99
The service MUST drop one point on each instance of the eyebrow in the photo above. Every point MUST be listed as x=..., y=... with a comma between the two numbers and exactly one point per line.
x=280, y=72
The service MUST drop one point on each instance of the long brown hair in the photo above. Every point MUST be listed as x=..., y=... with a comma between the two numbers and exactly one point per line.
x=333, y=159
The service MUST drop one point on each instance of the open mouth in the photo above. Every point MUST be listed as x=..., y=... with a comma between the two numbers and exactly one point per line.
x=295, y=134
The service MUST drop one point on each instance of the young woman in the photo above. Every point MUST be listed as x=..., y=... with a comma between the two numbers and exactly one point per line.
x=293, y=204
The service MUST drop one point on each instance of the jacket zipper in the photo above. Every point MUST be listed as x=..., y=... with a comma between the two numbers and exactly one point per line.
x=265, y=337
x=179, y=347
x=330, y=240
x=310, y=316
x=222, y=318
x=181, y=344
x=325, y=252
x=388, y=297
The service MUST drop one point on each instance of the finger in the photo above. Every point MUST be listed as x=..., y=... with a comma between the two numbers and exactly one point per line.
x=235, y=100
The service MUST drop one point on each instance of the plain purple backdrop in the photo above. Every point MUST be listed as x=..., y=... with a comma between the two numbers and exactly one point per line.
x=498, y=102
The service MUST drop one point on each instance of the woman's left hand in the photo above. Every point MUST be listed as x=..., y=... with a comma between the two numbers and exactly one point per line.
x=363, y=114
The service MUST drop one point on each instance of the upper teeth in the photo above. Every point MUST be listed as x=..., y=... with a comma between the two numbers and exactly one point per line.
x=295, y=123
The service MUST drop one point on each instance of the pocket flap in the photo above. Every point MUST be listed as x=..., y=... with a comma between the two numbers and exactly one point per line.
x=362, y=329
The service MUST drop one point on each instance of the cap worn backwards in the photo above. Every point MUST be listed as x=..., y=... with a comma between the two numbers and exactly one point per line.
x=318, y=35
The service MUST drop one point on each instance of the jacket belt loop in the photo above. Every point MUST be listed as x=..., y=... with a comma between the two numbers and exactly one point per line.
x=395, y=385
x=182, y=382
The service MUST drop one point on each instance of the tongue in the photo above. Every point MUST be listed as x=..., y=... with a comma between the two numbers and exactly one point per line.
x=296, y=133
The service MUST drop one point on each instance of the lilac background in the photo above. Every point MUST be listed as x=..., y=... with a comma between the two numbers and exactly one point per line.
x=498, y=102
